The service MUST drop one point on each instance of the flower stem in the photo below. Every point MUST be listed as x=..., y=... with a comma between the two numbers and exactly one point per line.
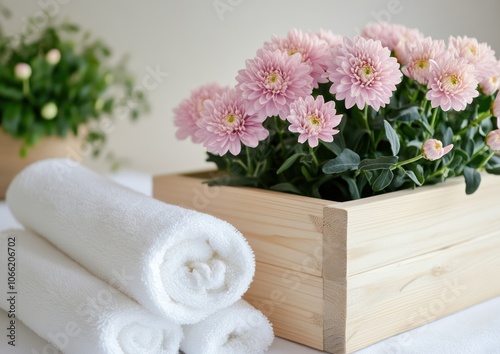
x=405, y=162
x=26, y=87
x=280, y=135
x=481, y=116
x=367, y=126
x=433, y=119
x=485, y=161
x=315, y=159
x=249, y=161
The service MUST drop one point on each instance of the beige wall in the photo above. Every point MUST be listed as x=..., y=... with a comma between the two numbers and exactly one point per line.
x=195, y=44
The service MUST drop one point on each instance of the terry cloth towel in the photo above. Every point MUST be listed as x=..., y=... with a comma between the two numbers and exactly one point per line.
x=179, y=263
x=24, y=340
x=239, y=328
x=69, y=307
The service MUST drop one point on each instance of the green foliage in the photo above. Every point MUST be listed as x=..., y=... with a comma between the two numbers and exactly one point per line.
x=82, y=87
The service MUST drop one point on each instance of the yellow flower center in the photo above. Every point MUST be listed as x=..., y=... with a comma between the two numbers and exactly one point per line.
x=473, y=49
x=230, y=118
x=423, y=64
x=438, y=145
x=366, y=74
x=451, y=82
x=292, y=52
x=315, y=120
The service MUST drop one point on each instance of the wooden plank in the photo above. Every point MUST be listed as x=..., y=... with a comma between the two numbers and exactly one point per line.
x=292, y=301
x=401, y=225
x=283, y=229
x=334, y=279
x=400, y=296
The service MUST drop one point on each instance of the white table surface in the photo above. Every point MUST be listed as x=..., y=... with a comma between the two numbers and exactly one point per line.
x=473, y=331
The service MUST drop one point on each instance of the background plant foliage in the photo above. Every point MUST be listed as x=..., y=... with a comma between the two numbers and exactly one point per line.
x=84, y=85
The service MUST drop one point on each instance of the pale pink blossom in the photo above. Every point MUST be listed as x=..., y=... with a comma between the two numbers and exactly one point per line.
x=363, y=72
x=480, y=55
x=331, y=39
x=22, y=71
x=312, y=50
x=313, y=120
x=390, y=35
x=491, y=84
x=408, y=39
x=493, y=140
x=453, y=84
x=53, y=56
x=273, y=80
x=433, y=149
x=188, y=112
x=419, y=54
x=225, y=124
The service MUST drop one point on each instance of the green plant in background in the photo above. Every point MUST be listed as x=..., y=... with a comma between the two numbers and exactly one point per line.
x=64, y=78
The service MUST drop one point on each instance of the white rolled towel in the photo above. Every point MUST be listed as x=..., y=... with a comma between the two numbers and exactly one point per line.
x=237, y=329
x=21, y=339
x=72, y=309
x=179, y=263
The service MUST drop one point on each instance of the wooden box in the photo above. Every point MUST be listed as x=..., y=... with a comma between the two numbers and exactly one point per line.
x=341, y=276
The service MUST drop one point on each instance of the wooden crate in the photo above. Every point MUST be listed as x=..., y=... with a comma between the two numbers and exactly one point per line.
x=341, y=276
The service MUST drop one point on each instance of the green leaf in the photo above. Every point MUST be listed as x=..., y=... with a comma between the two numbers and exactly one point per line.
x=448, y=137
x=380, y=163
x=289, y=162
x=472, y=180
x=333, y=147
x=11, y=92
x=11, y=117
x=383, y=180
x=348, y=160
x=495, y=170
x=393, y=138
x=413, y=177
x=286, y=187
x=406, y=114
x=353, y=187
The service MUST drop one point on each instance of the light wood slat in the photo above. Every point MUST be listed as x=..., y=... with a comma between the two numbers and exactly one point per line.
x=283, y=229
x=418, y=221
x=292, y=301
x=403, y=295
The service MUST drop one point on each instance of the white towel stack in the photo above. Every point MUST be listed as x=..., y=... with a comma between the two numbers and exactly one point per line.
x=69, y=307
x=179, y=264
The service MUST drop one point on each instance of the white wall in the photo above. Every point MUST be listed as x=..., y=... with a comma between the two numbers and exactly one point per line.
x=189, y=40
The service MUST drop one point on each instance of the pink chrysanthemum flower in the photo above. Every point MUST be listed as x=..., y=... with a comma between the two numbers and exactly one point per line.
x=331, y=39
x=480, y=55
x=391, y=35
x=419, y=53
x=188, y=112
x=453, y=84
x=433, y=149
x=491, y=84
x=225, y=124
x=313, y=51
x=495, y=109
x=273, y=80
x=313, y=120
x=493, y=140
x=363, y=72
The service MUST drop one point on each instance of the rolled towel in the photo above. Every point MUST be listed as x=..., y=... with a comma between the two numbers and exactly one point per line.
x=181, y=264
x=21, y=339
x=239, y=328
x=72, y=309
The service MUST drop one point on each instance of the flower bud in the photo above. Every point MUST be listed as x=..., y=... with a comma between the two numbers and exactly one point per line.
x=433, y=149
x=49, y=111
x=22, y=71
x=53, y=56
x=493, y=140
